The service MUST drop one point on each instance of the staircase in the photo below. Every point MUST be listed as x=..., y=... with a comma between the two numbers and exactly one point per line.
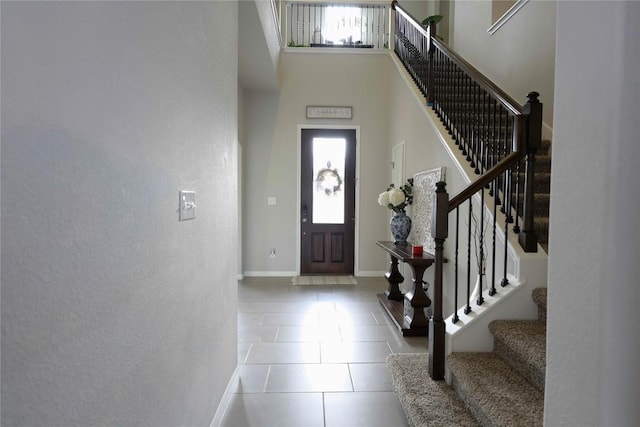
x=502, y=388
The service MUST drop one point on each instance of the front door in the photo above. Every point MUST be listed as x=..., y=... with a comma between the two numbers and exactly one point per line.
x=327, y=210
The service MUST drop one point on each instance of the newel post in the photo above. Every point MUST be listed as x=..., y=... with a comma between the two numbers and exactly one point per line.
x=439, y=230
x=533, y=110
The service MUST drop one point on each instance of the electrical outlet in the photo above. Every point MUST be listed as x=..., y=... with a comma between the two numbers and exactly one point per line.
x=272, y=253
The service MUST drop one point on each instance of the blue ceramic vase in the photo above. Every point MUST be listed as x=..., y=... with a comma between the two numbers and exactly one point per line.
x=400, y=228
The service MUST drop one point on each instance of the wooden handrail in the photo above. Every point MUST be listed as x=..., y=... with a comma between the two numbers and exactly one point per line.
x=484, y=180
x=507, y=101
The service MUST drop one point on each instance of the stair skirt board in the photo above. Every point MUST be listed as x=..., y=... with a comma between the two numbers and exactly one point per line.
x=425, y=402
x=324, y=280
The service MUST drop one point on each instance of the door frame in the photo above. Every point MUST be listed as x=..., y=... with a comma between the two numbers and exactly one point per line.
x=356, y=234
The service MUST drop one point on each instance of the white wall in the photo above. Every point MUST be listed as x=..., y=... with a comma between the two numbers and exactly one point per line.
x=593, y=343
x=357, y=80
x=113, y=311
x=519, y=57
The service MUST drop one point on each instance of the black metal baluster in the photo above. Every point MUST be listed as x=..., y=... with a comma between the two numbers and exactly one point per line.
x=507, y=208
x=460, y=101
x=516, y=227
x=455, y=269
x=494, y=130
x=497, y=150
x=487, y=133
x=467, y=309
x=457, y=93
x=481, y=262
x=472, y=117
x=492, y=291
x=466, y=150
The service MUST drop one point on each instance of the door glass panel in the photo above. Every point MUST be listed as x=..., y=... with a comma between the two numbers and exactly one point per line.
x=328, y=175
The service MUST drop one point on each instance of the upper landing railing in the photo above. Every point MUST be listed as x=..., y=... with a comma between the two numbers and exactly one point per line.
x=499, y=138
x=336, y=25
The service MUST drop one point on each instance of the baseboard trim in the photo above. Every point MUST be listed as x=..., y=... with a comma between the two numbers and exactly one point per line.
x=293, y=274
x=370, y=274
x=270, y=273
x=226, y=399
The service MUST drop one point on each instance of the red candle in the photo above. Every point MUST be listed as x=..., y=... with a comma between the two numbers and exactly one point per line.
x=417, y=250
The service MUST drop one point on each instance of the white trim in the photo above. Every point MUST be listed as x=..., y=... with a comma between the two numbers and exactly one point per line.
x=270, y=273
x=356, y=226
x=507, y=15
x=226, y=399
x=341, y=50
x=370, y=274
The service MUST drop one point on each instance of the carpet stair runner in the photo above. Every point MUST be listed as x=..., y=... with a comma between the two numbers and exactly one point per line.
x=501, y=388
x=542, y=192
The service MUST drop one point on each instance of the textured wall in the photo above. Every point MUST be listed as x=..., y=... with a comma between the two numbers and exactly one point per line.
x=593, y=344
x=270, y=153
x=519, y=57
x=111, y=309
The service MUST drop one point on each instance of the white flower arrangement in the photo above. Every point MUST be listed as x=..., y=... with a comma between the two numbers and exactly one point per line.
x=397, y=199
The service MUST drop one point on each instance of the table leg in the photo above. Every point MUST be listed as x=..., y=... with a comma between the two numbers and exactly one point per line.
x=418, y=299
x=394, y=278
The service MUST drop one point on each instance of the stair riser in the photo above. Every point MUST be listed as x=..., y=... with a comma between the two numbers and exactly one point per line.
x=542, y=182
x=539, y=296
x=530, y=372
x=541, y=203
x=470, y=403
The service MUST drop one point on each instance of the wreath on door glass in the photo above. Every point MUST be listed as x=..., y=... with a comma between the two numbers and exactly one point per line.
x=328, y=180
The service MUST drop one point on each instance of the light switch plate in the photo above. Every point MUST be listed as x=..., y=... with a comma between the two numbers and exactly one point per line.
x=187, y=205
x=271, y=201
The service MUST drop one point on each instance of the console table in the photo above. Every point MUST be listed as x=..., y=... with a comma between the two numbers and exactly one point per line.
x=406, y=310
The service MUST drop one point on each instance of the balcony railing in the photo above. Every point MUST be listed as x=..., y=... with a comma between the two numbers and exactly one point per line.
x=320, y=25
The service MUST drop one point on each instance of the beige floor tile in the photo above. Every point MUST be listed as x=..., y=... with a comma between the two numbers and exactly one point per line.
x=275, y=409
x=260, y=307
x=370, y=377
x=368, y=332
x=370, y=409
x=308, y=333
x=270, y=353
x=309, y=378
x=354, y=352
x=283, y=319
x=255, y=333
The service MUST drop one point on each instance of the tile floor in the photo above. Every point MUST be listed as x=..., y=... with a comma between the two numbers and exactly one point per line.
x=315, y=356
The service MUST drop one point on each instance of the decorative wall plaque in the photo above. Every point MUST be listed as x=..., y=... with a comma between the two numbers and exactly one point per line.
x=319, y=112
x=424, y=187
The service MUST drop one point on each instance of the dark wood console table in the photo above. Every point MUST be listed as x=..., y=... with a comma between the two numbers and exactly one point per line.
x=406, y=310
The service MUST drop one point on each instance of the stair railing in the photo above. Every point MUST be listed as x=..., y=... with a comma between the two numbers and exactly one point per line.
x=499, y=138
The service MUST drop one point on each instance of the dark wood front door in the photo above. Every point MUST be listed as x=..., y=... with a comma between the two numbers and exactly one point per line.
x=327, y=210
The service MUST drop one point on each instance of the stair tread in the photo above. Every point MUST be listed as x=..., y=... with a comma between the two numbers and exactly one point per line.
x=496, y=393
x=425, y=402
x=528, y=336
